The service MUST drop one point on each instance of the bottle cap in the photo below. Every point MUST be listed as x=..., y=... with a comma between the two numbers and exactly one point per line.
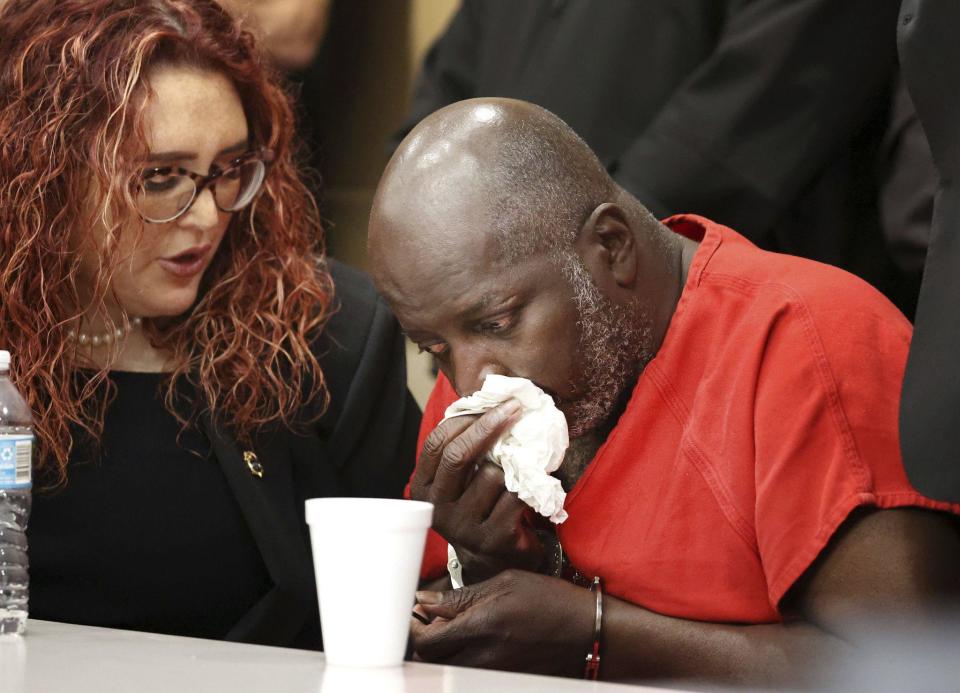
x=4, y=360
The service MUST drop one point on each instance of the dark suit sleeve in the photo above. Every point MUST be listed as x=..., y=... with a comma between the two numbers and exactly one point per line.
x=448, y=73
x=370, y=427
x=788, y=82
x=930, y=404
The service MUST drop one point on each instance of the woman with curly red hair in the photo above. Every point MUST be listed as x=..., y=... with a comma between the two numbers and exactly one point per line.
x=196, y=368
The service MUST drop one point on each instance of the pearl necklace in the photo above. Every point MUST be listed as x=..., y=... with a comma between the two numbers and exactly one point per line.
x=104, y=338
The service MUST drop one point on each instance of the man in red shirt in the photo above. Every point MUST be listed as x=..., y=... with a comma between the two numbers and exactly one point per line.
x=734, y=475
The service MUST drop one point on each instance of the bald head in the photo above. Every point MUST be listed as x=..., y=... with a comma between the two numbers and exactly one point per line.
x=512, y=171
x=503, y=246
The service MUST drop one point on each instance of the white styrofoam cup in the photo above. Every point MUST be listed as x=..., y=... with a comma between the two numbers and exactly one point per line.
x=366, y=556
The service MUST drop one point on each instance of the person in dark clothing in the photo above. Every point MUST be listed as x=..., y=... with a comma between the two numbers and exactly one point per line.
x=762, y=114
x=930, y=406
x=196, y=367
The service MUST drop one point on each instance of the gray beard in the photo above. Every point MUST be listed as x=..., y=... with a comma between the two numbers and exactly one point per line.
x=578, y=457
x=616, y=343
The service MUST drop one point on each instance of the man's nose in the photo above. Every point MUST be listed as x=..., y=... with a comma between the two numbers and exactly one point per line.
x=203, y=213
x=470, y=369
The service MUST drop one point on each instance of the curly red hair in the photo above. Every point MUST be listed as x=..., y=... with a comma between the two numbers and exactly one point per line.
x=73, y=80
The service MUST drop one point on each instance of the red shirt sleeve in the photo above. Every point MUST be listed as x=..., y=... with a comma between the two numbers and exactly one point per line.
x=826, y=432
x=435, y=554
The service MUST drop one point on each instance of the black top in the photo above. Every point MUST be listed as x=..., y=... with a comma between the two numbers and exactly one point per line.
x=930, y=407
x=213, y=549
x=185, y=561
x=763, y=115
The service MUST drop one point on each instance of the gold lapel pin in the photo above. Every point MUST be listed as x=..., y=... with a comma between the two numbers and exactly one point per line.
x=253, y=464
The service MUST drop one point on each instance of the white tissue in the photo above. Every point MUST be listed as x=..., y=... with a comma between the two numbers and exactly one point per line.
x=530, y=450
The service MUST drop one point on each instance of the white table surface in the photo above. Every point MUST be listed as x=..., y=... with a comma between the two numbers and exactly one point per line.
x=54, y=657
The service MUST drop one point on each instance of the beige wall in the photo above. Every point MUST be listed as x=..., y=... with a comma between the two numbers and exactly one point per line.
x=427, y=19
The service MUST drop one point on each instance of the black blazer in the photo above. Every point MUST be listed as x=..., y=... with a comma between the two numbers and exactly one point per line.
x=930, y=407
x=764, y=115
x=364, y=445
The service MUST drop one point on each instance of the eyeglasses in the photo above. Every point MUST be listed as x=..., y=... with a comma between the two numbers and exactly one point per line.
x=165, y=193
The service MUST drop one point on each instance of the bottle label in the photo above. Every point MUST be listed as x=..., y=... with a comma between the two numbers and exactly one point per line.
x=16, y=452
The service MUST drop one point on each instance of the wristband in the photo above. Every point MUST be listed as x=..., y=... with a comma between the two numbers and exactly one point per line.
x=454, y=568
x=592, y=670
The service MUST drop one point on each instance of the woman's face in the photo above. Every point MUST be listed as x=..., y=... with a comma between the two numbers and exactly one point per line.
x=194, y=120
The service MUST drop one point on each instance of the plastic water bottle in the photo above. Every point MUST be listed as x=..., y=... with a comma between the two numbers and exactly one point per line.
x=16, y=452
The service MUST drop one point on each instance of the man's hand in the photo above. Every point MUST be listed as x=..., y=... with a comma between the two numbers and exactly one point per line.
x=518, y=621
x=473, y=510
x=903, y=559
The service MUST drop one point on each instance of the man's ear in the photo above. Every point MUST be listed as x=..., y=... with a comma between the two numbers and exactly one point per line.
x=607, y=246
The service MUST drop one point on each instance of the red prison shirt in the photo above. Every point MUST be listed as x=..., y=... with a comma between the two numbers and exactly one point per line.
x=768, y=414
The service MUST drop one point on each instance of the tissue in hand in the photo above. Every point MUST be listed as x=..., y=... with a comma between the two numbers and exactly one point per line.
x=529, y=451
